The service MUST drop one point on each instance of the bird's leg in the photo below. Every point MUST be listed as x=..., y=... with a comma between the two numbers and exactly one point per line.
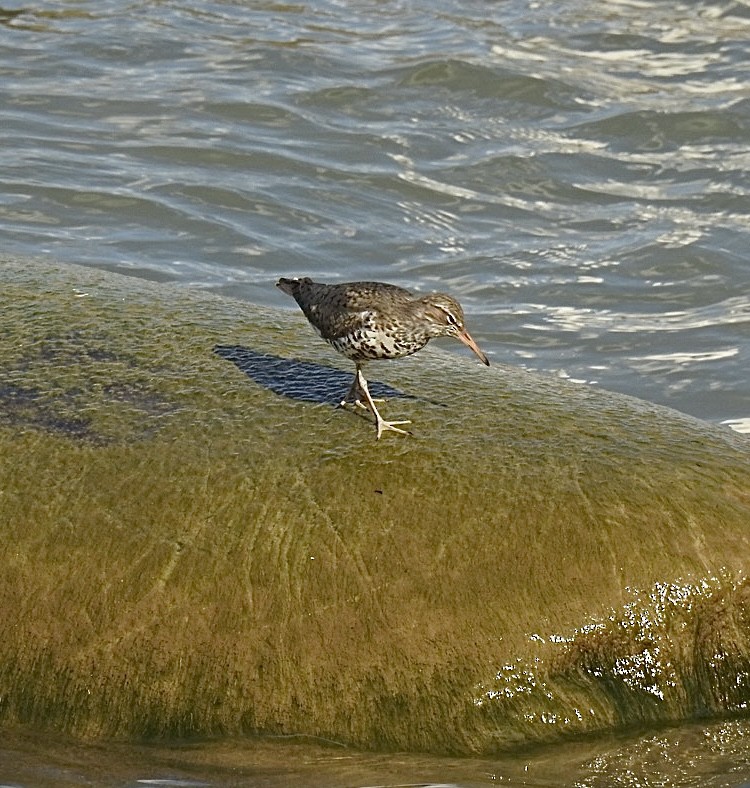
x=354, y=395
x=380, y=422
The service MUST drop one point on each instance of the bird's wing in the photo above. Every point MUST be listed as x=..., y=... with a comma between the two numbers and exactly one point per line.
x=347, y=322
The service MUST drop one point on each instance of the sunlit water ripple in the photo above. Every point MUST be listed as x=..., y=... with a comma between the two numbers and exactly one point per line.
x=578, y=178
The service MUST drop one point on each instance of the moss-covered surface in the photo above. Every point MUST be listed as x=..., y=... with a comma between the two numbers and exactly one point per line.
x=184, y=551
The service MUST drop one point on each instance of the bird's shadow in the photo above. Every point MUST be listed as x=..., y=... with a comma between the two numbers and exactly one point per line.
x=301, y=380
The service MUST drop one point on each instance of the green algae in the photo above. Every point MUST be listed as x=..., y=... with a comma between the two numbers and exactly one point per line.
x=185, y=552
x=676, y=652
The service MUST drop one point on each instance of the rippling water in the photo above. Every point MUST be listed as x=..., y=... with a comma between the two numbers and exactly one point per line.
x=710, y=756
x=577, y=173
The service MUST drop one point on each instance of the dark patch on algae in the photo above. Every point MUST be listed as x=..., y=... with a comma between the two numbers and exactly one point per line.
x=74, y=377
x=24, y=406
x=187, y=549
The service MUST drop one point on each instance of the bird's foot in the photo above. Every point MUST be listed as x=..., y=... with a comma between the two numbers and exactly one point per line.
x=357, y=402
x=363, y=405
x=359, y=387
x=380, y=423
x=383, y=425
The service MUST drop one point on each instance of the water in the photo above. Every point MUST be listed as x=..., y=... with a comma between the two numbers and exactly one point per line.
x=709, y=756
x=576, y=173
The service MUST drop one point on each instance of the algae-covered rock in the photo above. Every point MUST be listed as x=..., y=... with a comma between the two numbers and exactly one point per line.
x=195, y=541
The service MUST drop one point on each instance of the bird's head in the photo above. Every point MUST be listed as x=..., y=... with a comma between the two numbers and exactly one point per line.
x=444, y=317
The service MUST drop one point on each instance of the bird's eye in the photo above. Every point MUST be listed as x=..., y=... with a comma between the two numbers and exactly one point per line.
x=450, y=319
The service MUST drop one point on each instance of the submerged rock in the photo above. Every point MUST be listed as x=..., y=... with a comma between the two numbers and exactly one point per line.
x=196, y=542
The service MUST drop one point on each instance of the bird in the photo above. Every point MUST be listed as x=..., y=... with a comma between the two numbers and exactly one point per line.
x=368, y=321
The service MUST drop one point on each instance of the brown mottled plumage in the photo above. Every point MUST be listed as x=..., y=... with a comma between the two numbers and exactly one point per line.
x=374, y=320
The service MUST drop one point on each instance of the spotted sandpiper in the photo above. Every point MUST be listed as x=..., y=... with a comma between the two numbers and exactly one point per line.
x=375, y=320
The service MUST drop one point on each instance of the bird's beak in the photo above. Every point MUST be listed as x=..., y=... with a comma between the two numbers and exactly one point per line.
x=465, y=337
